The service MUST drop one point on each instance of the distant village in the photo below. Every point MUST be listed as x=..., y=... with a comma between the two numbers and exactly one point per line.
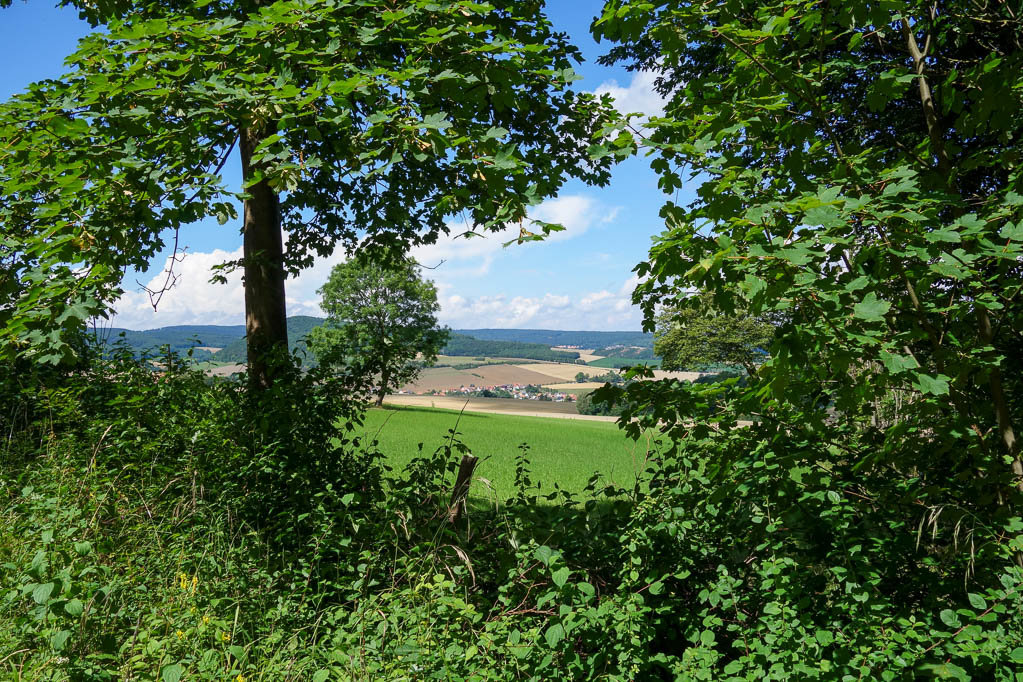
x=513, y=391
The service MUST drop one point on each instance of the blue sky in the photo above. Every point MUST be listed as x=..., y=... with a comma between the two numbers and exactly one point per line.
x=580, y=279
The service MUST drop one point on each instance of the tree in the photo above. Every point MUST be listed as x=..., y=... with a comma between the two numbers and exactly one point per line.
x=363, y=125
x=855, y=170
x=696, y=334
x=381, y=321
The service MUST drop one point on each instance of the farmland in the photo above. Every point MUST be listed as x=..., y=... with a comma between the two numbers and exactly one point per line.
x=566, y=452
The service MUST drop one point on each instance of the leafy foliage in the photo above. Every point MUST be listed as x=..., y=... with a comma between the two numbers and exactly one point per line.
x=381, y=323
x=696, y=335
x=857, y=177
x=370, y=124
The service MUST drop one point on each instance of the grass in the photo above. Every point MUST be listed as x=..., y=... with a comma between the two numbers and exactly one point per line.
x=566, y=452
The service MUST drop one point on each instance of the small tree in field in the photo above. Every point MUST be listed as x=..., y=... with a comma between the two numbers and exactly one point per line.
x=380, y=321
x=695, y=334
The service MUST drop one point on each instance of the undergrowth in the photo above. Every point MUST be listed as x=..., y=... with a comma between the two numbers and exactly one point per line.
x=166, y=528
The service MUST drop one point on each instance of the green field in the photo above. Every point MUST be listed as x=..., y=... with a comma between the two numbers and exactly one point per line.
x=563, y=451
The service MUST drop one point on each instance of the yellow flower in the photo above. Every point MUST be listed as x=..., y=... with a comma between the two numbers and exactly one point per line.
x=205, y=620
x=239, y=678
x=224, y=636
x=180, y=634
x=195, y=582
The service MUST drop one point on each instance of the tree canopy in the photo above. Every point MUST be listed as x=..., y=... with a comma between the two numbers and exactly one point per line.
x=696, y=335
x=854, y=170
x=381, y=323
x=368, y=124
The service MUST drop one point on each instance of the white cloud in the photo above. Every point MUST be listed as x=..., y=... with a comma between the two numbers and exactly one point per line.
x=637, y=97
x=194, y=300
x=594, y=311
x=455, y=255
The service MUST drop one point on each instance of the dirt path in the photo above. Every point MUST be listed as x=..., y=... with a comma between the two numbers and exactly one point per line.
x=522, y=408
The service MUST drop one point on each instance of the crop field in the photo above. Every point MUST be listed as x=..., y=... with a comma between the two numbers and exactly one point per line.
x=528, y=408
x=562, y=451
x=563, y=372
x=511, y=374
x=613, y=363
x=575, y=386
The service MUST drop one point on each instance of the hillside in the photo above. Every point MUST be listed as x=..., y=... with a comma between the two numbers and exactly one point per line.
x=460, y=344
x=180, y=338
x=298, y=327
x=557, y=337
x=529, y=344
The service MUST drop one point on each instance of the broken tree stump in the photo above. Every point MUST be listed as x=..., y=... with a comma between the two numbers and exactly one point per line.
x=458, y=494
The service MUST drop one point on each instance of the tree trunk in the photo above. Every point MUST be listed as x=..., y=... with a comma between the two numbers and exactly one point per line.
x=266, y=323
x=384, y=378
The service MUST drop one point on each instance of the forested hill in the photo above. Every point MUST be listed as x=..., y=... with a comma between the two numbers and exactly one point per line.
x=533, y=344
x=180, y=338
x=557, y=337
x=298, y=327
x=460, y=344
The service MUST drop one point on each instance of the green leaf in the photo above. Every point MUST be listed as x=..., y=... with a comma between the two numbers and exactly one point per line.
x=949, y=618
x=543, y=554
x=560, y=576
x=59, y=640
x=977, y=601
x=321, y=675
x=937, y=385
x=1013, y=231
x=1017, y=654
x=871, y=309
x=943, y=236
x=172, y=672
x=74, y=608
x=895, y=363
x=554, y=634
x=42, y=592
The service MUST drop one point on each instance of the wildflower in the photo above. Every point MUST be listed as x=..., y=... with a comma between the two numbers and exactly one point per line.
x=225, y=637
x=180, y=634
x=183, y=581
x=239, y=678
x=195, y=582
x=205, y=620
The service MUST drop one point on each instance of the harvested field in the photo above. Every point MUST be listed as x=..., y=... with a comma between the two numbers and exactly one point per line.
x=226, y=370
x=587, y=355
x=563, y=371
x=443, y=378
x=573, y=386
x=684, y=376
x=528, y=408
x=495, y=375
